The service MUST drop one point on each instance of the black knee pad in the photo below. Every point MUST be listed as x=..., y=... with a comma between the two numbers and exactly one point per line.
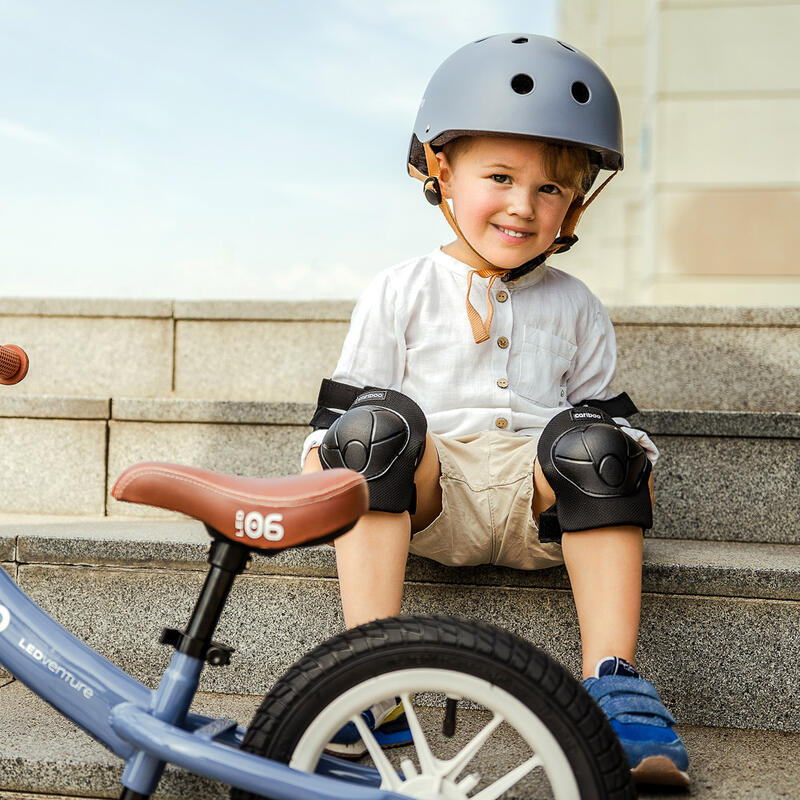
x=382, y=436
x=598, y=473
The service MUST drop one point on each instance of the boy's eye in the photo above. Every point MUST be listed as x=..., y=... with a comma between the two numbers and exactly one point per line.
x=501, y=178
x=550, y=188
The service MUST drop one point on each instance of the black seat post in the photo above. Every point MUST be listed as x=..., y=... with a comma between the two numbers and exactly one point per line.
x=227, y=559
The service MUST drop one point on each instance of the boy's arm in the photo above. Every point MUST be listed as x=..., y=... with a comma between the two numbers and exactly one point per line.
x=373, y=353
x=592, y=369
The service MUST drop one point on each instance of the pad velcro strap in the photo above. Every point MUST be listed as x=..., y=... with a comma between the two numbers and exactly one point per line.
x=323, y=418
x=619, y=406
x=333, y=400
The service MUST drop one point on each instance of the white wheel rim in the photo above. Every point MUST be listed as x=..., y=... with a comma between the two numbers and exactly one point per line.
x=547, y=753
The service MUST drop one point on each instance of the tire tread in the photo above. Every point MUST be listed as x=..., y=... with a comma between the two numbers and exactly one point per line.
x=478, y=637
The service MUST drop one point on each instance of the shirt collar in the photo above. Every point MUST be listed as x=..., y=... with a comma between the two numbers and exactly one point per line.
x=459, y=267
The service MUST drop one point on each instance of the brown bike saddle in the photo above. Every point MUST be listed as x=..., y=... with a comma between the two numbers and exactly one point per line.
x=262, y=513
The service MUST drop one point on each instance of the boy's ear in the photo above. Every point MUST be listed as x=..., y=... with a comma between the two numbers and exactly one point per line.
x=445, y=174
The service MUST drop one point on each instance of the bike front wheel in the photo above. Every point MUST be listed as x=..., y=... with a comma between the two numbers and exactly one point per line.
x=491, y=716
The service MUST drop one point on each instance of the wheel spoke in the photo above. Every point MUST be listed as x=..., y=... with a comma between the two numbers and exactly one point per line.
x=454, y=765
x=389, y=777
x=427, y=760
x=496, y=789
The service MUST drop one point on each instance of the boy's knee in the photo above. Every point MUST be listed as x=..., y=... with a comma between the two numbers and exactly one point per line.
x=597, y=476
x=382, y=435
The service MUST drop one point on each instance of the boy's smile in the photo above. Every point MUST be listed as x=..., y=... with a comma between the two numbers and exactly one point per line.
x=508, y=208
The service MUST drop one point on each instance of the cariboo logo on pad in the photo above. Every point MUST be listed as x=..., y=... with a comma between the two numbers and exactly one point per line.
x=586, y=415
x=362, y=398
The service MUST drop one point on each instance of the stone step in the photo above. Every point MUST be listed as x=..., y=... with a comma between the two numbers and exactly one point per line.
x=42, y=753
x=745, y=358
x=708, y=609
x=723, y=475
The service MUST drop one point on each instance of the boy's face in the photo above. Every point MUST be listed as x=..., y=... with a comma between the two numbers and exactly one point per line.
x=505, y=204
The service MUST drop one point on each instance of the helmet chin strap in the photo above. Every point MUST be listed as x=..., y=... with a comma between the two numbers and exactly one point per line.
x=567, y=237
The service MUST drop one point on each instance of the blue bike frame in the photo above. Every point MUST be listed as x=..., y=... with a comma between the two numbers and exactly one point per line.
x=149, y=729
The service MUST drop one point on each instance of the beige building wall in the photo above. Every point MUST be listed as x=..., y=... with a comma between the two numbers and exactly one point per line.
x=707, y=209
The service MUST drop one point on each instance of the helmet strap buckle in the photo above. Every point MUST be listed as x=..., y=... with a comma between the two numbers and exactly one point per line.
x=432, y=190
x=565, y=242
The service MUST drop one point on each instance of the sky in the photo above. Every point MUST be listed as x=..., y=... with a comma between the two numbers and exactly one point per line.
x=199, y=149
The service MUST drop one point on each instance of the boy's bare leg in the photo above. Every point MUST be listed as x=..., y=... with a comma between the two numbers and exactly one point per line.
x=605, y=571
x=371, y=557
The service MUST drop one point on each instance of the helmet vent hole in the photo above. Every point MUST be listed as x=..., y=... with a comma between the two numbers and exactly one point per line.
x=581, y=93
x=522, y=83
x=567, y=47
x=521, y=40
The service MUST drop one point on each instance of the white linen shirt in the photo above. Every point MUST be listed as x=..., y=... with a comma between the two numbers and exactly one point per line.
x=551, y=346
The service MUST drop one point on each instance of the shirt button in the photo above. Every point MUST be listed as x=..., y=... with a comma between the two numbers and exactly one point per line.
x=502, y=297
x=502, y=342
x=503, y=383
x=501, y=423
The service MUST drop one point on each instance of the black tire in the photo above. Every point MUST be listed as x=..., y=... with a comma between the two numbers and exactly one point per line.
x=393, y=646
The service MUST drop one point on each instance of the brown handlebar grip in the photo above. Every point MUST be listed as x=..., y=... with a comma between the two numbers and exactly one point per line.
x=13, y=364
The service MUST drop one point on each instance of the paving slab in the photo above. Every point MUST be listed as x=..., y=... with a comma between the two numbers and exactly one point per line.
x=313, y=310
x=723, y=476
x=725, y=764
x=747, y=424
x=95, y=356
x=238, y=449
x=151, y=543
x=727, y=489
x=41, y=751
x=83, y=307
x=709, y=367
x=730, y=569
x=719, y=488
x=706, y=316
x=669, y=422
x=247, y=360
x=54, y=407
x=53, y=465
x=698, y=650
x=236, y=412
x=8, y=545
x=748, y=316
x=669, y=356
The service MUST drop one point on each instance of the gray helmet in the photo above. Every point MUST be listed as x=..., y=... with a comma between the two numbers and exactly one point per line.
x=521, y=84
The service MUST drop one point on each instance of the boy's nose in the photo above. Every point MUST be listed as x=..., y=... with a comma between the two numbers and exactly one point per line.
x=520, y=205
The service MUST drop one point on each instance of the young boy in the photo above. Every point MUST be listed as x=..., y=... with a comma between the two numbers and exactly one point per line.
x=488, y=440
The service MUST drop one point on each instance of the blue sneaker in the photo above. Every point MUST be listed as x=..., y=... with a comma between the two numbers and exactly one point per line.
x=386, y=720
x=644, y=727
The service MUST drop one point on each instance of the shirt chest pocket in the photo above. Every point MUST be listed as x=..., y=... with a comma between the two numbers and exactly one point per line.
x=541, y=365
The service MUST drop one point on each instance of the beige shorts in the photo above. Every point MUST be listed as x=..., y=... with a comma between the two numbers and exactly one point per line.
x=486, y=517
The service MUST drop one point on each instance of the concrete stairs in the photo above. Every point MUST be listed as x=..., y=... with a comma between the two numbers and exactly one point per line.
x=721, y=606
